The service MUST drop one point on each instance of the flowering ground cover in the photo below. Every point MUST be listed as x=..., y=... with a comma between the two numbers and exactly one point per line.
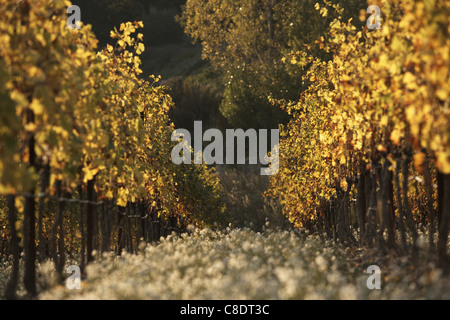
x=244, y=264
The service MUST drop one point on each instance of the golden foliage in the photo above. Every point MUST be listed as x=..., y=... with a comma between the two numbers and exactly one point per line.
x=89, y=112
x=384, y=92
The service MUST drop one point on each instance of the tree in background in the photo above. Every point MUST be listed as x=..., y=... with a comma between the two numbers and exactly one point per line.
x=247, y=40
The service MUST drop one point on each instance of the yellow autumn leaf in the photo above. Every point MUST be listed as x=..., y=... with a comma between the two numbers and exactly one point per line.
x=109, y=194
x=121, y=202
x=89, y=174
x=30, y=127
x=410, y=81
x=35, y=72
x=442, y=94
x=384, y=121
x=39, y=37
x=419, y=160
x=122, y=197
x=443, y=161
x=344, y=184
x=396, y=136
x=140, y=48
x=37, y=107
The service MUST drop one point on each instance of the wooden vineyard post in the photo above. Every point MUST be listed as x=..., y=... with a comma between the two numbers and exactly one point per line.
x=90, y=221
x=11, y=287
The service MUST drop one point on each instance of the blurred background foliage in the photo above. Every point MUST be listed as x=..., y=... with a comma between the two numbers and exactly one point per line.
x=222, y=60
